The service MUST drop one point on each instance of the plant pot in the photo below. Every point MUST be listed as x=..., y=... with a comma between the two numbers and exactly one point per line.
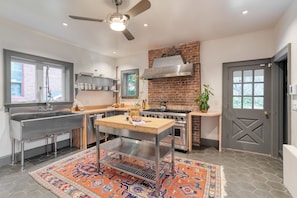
x=204, y=108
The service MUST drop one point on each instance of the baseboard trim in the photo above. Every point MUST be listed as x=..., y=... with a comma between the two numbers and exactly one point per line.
x=6, y=160
x=207, y=143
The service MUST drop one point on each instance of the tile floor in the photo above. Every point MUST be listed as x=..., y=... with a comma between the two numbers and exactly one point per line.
x=247, y=175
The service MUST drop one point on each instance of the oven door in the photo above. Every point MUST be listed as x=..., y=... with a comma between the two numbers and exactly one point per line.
x=180, y=140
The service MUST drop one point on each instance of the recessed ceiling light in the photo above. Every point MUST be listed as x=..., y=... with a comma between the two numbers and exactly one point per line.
x=114, y=52
x=145, y=25
x=245, y=12
x=65, y=24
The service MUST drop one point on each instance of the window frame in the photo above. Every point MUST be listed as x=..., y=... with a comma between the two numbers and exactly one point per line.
x=124, y=83
x=10, y=55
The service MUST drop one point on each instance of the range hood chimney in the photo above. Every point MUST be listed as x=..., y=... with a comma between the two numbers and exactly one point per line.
x=169, y=66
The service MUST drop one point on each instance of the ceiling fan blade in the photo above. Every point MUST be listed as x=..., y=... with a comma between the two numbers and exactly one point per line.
x=142, y=6
x=128, y=34
x=86, y=18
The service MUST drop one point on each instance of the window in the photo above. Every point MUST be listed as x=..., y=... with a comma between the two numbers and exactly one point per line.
x=34, y=79
x=248, y=89
x=130, y=83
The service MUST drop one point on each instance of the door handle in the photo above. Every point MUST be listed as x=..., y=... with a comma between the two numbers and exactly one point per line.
x=266, y=113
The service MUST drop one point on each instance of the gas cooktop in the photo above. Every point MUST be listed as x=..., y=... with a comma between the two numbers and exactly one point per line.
x=168, y=110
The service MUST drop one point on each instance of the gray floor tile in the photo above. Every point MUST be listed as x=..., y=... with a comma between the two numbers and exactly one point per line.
x=247, y=175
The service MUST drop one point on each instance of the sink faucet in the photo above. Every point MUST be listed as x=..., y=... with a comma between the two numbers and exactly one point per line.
x=48, y=106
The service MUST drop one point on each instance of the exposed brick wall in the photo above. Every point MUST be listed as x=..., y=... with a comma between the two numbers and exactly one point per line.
x=178, y=91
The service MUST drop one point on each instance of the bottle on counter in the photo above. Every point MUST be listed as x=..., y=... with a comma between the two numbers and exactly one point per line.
x=76, y=108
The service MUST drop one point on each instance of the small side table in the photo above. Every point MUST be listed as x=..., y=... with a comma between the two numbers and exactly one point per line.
x=208, y=114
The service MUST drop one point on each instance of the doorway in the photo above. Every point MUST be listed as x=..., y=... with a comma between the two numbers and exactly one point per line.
x=247, y=109
x=281, y=69
x=257, y=120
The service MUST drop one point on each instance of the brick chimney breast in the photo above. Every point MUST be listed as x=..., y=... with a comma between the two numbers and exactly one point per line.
x=178, y=91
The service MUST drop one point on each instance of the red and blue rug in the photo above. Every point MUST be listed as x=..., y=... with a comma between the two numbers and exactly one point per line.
x=76, y=176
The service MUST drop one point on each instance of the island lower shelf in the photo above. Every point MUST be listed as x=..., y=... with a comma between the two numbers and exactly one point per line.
x=140, y=149
x=137, y=168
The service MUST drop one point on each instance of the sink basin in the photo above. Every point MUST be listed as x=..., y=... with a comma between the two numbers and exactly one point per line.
x=39, y=115
x=33, y=125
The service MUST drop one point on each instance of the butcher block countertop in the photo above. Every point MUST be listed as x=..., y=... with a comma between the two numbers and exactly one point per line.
x=102, y=110
x=151, y=125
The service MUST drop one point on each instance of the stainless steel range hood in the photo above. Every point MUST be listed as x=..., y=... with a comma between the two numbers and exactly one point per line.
x=170, y=66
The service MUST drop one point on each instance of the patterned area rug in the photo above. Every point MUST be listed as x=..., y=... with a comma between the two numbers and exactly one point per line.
x=77, y=176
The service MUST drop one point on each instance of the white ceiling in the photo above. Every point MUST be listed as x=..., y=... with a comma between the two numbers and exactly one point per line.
x=171, y=22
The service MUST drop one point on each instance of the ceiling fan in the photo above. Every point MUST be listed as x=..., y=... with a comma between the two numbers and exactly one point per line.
x=118, y=21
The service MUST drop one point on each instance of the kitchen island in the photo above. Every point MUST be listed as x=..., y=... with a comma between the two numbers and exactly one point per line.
x=141, y=142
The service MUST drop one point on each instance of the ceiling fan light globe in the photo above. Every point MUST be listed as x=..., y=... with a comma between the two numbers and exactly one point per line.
x=117, y=26
x=118, y=22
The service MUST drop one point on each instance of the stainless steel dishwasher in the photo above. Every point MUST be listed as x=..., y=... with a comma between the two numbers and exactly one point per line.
x=92, y=129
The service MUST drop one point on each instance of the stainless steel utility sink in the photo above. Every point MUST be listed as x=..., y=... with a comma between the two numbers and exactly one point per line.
x=33, y=125
x=29, y=126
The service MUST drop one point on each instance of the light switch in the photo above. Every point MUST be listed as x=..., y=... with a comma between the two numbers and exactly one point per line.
x=294, y=103
x=293, y=89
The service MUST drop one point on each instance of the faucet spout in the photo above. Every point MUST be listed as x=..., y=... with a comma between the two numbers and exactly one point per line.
x=48, y=106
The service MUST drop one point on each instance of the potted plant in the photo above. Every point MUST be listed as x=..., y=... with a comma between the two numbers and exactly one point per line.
x=203, y=97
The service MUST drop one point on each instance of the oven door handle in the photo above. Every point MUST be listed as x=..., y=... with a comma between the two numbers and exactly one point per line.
x=177, y=124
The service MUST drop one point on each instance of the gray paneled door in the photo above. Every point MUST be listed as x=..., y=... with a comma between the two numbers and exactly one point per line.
x=246, y=106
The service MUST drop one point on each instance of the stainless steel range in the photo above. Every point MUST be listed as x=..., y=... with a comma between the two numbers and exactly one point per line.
x=180, y=128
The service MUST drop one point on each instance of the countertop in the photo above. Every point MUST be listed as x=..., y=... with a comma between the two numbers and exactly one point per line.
x=151, y=125
x=92, y=111
x=208, y=114
x=103, y=109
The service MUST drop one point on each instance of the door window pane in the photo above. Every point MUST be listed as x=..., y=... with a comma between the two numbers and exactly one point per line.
x=258, y=102
x=248, y=76
x=237, y=76
x=259, y=75
x=237, y=89
x=237, y=102
x=251, y=88
x=259, y=89
x=247, y=89
x=247, y=103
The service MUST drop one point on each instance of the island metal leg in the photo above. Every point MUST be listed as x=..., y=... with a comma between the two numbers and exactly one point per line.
x=157, y=154
x=98, y=148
